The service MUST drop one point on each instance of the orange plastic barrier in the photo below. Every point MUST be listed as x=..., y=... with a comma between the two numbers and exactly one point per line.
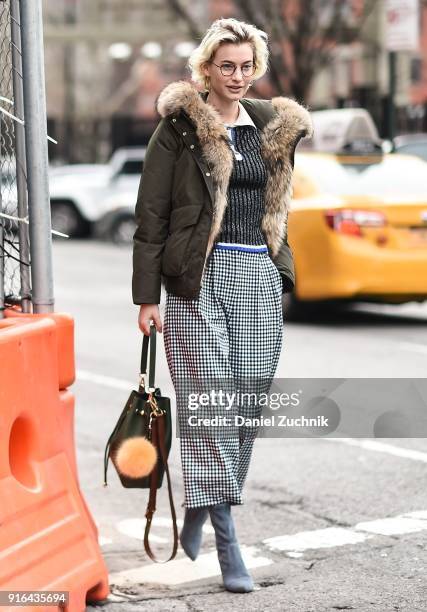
x=48, y=540
x=64, y=336
x=66, y=377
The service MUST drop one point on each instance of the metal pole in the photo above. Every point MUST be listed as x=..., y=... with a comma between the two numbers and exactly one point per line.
x=391, y=110
x=21, y=170
x=37, y=155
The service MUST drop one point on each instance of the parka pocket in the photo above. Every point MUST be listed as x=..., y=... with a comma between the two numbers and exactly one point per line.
x=181, y=226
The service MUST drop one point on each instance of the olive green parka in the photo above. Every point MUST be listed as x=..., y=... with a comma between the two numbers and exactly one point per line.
x=182, y=193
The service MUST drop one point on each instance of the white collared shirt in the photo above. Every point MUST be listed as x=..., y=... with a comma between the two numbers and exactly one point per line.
x=243, y=119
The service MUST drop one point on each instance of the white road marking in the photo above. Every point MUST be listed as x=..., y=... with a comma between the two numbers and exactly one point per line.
x=404, y=523
x=409, y=522
x=105, y=381
x=319, y=538
x=413, y=346
x=160, y=521
x=184, y=570
x=382, y=447
x=102, y=540
x=114, y=598
x=134, y=528
x=421, y=514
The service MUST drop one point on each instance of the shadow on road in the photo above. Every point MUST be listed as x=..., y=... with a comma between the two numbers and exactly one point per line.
x=360, y=313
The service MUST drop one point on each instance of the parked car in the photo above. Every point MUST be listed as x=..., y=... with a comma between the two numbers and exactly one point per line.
x=79, y=194
x=117, y=224
x=411, y=144
x=358, y=229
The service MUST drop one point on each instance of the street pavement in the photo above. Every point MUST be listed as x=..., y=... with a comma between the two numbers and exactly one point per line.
x=326, y=524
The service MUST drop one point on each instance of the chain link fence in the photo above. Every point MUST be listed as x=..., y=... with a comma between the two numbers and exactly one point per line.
x=14, y=235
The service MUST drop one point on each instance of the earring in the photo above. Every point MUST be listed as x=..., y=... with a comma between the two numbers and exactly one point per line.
x=207, y=83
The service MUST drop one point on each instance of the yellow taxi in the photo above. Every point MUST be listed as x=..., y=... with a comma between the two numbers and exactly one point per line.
x=358, y=227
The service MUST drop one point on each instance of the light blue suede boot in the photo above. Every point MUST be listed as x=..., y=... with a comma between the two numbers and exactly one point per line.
x=234, y=573
x=191, y=533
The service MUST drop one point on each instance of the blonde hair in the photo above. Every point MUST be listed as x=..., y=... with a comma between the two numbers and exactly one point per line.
x=228, y=31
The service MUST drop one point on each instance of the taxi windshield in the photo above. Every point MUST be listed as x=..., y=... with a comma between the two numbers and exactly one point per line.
x=393, y=176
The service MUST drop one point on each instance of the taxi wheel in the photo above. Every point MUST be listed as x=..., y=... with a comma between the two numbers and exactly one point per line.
x=294, y=309
x=310, y=310
x=301, y=310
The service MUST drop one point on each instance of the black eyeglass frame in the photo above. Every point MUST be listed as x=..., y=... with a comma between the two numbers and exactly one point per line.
x=235, y=67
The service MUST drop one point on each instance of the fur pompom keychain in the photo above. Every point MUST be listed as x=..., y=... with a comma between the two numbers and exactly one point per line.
x=135, y=457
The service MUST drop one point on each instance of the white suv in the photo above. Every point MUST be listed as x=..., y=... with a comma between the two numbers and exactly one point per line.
x=80, y=193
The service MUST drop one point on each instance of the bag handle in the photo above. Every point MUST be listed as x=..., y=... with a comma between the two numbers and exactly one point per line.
x=151, y=339
x=158, y=439
x=143, y=372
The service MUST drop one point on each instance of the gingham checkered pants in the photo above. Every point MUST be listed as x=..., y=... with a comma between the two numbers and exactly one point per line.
x=231, y=334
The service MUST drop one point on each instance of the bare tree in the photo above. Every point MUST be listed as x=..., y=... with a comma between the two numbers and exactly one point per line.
x=303, y=35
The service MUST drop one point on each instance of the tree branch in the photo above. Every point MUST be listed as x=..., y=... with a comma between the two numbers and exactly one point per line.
x=182, y=13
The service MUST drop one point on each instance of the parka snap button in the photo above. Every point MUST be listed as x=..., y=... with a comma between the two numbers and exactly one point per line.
x=184, y=133
x=174, y=120
x=191, y=146
x=208, y=173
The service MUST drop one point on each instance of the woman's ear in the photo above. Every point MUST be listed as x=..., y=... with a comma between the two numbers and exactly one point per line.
x=205, y=69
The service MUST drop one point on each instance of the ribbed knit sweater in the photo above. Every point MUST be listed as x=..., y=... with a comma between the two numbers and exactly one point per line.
x=245, y=196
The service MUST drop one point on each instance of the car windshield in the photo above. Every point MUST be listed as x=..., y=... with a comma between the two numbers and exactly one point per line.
x=394, y=176
x=132, y=166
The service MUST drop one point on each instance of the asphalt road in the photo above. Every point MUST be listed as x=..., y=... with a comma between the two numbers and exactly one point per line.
x=325, y=525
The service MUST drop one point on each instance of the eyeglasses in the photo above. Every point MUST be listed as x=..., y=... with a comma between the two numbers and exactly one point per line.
x=228, y=68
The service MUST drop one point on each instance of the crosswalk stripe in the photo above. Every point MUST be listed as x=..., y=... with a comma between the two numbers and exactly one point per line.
x=319, y=538
x=134, y=527
x=382, y=447
x=339, y=536
x=184, y=570
x=398, y=525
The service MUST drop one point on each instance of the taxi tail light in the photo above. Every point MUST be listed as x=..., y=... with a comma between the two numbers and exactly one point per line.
x=351, y=221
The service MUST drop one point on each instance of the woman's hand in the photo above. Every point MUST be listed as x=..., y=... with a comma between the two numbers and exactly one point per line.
x=146, y=313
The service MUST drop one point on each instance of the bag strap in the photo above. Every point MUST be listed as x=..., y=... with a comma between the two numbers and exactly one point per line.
x=158, y=439
x=151, y=339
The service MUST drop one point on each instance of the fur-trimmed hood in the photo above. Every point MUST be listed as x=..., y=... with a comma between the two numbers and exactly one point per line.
x=282, y=122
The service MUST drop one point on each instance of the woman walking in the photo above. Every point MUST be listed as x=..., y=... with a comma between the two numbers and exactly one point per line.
x=212, y=223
